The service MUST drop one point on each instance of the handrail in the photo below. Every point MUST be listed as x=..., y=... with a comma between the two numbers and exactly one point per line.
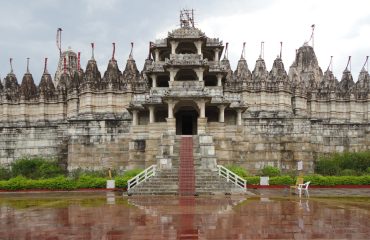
x=232, y=177
x=141, y=177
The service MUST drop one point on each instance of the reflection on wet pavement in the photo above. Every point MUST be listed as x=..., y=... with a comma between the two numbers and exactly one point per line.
x=111, y=216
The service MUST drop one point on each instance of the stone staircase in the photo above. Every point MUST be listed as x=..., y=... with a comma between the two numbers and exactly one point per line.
x=186, y=166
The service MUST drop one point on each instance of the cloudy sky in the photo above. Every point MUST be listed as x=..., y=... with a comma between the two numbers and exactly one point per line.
x=28, y=29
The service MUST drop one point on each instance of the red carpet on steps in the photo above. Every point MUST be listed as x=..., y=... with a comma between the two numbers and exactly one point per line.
x=186, y=168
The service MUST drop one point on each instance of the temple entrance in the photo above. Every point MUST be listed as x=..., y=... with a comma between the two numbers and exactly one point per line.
x=186, y=122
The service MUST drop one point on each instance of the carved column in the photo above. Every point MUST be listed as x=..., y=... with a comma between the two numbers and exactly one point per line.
x=151, y=114
x=154, y=80
x=219, y=79
x=156, y=53
x=173, y=72
x=135, y=119
x=198, y=45
x=217, y=56
x=199, y=73
x=221, y=114
x=239, y=117
x=174, y=45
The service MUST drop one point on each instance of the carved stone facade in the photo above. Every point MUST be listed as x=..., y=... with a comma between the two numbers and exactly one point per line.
x=130, y=119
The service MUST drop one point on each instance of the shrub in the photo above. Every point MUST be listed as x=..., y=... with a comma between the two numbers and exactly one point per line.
x=252, y=179
x=5, y=173
x=348, y=172
x=335, y=163
x=22, y=183
x=270, y=171
x=281, y=180
x=35, y=168
x=327, y=167
x=91, y=182
x=242, y=172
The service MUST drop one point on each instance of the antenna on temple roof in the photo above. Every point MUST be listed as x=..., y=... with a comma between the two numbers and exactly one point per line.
x=114, y=50
x=46, y=66
x=349, y=64
x=28, y=65
x=92, y=51
x=78, y=61
x=59, y=40
x=281, y=50
x=226, y=55
x=131, y=52
x=312, y=38
x=187, y=18
x=330, y=67
x=243, y=51
x=366, y=63
x=65, y=65
x=262, y=51
x=11, y=65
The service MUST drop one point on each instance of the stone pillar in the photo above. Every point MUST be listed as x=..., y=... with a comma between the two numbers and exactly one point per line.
x=174, y=45
x=217, y=56
x=154, y=80
x=171, y=104
x=198, y=45
x=199, y=73
x=151, y=114
x=219, y=79
x=156, y=55
x=239, y=117
x=221, y=114
x=202, y=107
x=173, y=72
x=135, y=119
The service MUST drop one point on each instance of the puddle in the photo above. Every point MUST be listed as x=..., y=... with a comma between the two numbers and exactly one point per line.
x=111, y=216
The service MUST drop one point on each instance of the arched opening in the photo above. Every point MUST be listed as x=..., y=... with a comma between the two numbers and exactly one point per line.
x=186, y=48
x=212, y=113
x=230, y=117
x=186, y=75
x=162, y=80
x=210, y=80
x=186, y=114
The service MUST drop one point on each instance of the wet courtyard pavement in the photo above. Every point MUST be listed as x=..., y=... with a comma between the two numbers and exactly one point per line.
x=270, y=214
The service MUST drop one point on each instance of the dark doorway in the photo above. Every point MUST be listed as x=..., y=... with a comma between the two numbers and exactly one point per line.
x=186, y=122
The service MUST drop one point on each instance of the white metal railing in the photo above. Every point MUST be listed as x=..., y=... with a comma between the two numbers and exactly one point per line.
x=141, y=177
x=232, y=177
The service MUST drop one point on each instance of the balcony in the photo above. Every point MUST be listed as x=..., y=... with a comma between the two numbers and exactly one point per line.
x=160, y=43
x=155, y=67
x=216, y=67
x=186, y=60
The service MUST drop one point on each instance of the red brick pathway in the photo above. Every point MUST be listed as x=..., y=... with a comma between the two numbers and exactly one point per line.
x=186, y=169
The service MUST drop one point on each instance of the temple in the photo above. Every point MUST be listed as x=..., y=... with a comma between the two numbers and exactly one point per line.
x=131, y=118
